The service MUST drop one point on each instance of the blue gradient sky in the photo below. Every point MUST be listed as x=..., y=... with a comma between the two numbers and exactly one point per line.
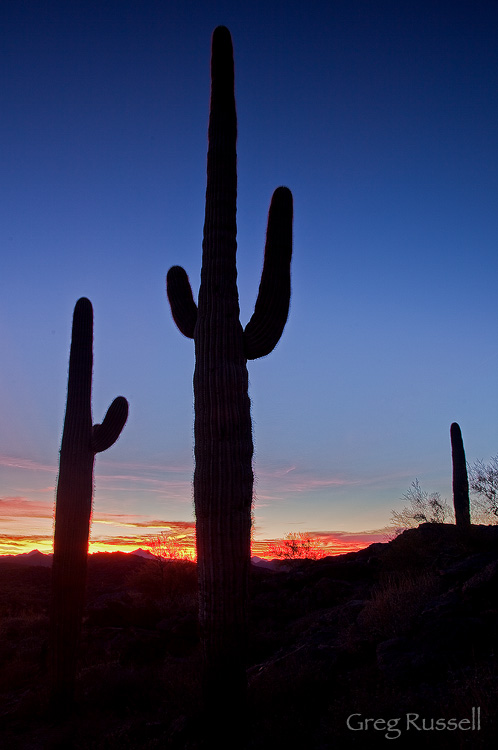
x=382, y=118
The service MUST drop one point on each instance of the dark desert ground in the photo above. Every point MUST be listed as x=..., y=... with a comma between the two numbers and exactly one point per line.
x=405, y=628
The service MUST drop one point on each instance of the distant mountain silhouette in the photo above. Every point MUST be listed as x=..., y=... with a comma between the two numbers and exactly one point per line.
x=35, y=557
x=143, y=553
x=261, y=562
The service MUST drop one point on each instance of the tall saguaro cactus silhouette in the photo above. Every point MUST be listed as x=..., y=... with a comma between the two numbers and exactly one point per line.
x=80, y=442
x=223, y=477
x=460, y=478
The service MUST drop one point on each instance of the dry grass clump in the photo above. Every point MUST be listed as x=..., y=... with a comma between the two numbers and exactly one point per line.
x=164, y=579
x=395, y=601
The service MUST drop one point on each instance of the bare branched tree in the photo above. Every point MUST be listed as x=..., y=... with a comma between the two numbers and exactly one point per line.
x=422, y=507
x=165, y=547
x=296, y=545
x=483, y=481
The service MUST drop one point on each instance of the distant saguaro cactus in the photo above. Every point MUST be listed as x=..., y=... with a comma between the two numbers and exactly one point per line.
x=223, y=477
x=460, y=478
x=80, y=442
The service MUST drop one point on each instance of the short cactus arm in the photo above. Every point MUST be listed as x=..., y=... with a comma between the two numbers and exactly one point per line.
x=104, y=435
x=181, y=300
x=263, y=331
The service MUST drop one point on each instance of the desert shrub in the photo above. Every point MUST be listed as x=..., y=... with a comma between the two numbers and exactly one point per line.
x=23, y=640
x=395, y=600
x=23, y=589
x=165, y=580
x=477, y=685
x=120, y=688
x=287, y=697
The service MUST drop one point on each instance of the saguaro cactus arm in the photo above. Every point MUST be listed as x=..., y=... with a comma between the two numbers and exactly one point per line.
x=272, y=305
x=181, y=300
x=460, y=478
x=104, y=435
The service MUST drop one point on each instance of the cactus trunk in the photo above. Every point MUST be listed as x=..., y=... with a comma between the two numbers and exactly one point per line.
x=223, y=477
x=80, y=442
x=460, y=479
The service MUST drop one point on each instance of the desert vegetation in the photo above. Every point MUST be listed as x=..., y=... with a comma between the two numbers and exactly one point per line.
x=484, y=486
x=295, y=545
x=475, y=493
x=164, y=547
x=420, y=507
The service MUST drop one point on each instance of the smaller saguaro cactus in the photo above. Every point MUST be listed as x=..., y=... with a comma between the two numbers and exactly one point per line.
x=460, y=479
x=80, y=442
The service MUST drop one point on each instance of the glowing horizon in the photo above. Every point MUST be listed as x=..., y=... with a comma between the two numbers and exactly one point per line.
x=331, y=543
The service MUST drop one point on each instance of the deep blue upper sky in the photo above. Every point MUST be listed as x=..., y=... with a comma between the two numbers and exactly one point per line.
x=382, y=118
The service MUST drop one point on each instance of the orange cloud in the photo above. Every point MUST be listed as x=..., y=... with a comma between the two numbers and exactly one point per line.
x=18, y=507
x=182, y=533
x=166, y=525
x=341, y=542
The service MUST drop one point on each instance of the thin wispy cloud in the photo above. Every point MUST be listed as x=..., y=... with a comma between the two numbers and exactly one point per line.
x=275, y=472
x=126, y=471
x=296, y=479
x=170, y=488
x=26, y=464
x=269, y=498
x=142, y=468
x=166, y=524
x=139, y=478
